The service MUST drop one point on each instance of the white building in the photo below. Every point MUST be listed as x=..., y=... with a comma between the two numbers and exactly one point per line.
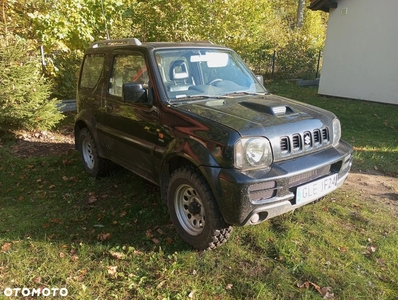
x=361, y=50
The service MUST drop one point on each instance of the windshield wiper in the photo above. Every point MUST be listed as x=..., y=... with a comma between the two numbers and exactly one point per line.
x=183, y=98
x=244, y=93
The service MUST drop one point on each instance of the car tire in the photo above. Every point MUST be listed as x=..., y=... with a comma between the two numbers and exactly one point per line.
x=194, y=211
x=94, y=165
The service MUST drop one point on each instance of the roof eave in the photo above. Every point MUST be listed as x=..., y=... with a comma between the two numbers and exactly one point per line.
x=324, y=5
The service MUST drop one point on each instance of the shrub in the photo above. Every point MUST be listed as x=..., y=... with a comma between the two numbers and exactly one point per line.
x=24, y=99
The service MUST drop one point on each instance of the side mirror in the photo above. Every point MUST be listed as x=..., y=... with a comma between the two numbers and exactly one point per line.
x=134, y=93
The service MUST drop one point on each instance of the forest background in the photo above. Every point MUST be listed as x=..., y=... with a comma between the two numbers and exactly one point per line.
x=50, y=36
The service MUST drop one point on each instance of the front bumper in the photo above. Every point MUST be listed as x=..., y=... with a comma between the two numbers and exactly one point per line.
x=252, y=197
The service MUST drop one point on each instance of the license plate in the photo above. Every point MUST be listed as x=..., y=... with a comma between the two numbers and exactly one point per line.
x=314, y=190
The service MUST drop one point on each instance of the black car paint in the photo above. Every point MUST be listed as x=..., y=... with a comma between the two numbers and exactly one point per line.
x=147, y=137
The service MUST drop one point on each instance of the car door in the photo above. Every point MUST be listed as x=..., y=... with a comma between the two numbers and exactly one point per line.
x=131, y=127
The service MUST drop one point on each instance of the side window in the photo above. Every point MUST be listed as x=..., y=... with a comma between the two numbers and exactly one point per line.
x=129, y=68
x=92, y=69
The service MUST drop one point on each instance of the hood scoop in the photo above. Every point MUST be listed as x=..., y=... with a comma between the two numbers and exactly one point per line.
x=276, y=110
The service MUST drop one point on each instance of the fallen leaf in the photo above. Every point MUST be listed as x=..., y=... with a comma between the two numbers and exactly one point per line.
x=122, y=214
x=148, y=233
x=155, y=241
x=74, y=257
x=92, y=198
x=56, y=221
x=324, y=292
x=103, y=236
x=6, y=247
x=66, y=162
x=191, y=293
x=229, y=286
x=112, y=270
x=117, y=255
x=37, y=279
x=65, y=178
x=372, y=249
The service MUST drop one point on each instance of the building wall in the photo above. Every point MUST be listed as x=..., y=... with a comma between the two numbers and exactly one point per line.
x=361, y=51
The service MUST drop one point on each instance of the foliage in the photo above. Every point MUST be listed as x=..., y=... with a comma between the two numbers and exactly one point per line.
x=63, y=69
x=24, y=100
x=255, y=29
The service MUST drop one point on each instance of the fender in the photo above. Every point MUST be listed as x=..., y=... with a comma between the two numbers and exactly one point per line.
x=192, y=151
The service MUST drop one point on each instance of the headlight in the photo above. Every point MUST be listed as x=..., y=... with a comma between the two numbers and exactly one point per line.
x=336, y=132
x=252, y=153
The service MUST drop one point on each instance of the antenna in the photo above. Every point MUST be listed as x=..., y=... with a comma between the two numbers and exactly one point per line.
x=106, y=25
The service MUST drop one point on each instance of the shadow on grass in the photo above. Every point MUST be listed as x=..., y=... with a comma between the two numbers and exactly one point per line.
x=51, y=199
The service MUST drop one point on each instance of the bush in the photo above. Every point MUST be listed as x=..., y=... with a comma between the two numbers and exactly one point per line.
x=63, y=69
x=24, y=99
x=297, y=59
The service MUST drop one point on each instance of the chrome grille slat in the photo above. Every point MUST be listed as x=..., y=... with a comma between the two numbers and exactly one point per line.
x=297, y=143
x=317, y=137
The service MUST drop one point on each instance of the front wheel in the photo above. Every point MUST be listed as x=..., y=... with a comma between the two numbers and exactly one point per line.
x=194, y=211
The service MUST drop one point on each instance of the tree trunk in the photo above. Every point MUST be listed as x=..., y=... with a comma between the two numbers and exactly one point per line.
x=300, y=13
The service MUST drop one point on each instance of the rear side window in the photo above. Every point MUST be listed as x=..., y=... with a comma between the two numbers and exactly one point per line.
x=92, y=69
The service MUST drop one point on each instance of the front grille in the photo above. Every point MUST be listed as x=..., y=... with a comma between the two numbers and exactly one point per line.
x=306, y=141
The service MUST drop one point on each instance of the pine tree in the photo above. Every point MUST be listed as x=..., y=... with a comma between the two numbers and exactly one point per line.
x=25, y=94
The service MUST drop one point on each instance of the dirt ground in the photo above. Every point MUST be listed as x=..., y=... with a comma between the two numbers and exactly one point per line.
x=372, y=185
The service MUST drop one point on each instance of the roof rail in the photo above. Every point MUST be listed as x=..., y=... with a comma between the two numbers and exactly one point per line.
x=104, y=43
x=202, y=41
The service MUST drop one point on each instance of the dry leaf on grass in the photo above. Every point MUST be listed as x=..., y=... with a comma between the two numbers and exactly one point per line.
x=6, y=247
x=112, y=270
x=117, y=255
x=324, y=292
x=103, y=236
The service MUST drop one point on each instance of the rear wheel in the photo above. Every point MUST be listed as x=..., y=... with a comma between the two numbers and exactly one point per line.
x=94, y=165
x=194, y=211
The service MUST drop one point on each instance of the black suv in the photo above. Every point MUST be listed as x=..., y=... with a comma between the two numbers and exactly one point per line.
x=193, y=119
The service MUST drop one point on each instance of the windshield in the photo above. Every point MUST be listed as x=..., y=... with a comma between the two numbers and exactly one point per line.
x=188, y=73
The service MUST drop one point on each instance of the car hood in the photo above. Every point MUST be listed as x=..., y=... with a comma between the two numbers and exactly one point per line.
x=261, y=115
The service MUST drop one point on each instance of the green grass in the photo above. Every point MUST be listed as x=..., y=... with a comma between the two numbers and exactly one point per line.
x=112, y=239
